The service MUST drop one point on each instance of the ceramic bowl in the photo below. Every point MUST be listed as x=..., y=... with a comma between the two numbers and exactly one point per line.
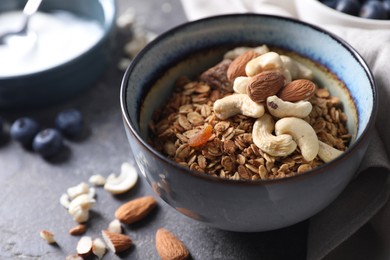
x=246, y=206
x=315, y=12
x=64, y=80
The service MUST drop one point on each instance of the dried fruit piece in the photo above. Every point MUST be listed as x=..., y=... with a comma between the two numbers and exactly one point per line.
x=297, y=90
x=135, y=210
x=265, y=84
x=237, y=67
x=201, y=137
x=116, y=242
x=216, y=76
x=169, y=247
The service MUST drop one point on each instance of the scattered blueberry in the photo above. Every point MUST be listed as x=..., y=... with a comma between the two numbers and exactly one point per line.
x=70, y=122
x=48, y=142
x=24, y=130
x=1, y=127
x=330, y=3
x=386, y=5
x=351, y=7
x=373, y=10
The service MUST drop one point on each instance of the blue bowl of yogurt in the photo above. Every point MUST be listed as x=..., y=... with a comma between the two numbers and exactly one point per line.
x=66, y=50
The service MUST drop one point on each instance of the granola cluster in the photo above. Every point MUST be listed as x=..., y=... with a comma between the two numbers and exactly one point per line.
x=230, y=152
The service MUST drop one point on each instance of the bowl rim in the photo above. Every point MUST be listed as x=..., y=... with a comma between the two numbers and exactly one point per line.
x=110, y=12
x=348, y=17
x=316, y=171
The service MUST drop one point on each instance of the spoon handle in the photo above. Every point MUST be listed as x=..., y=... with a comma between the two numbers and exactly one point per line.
x=31, y=7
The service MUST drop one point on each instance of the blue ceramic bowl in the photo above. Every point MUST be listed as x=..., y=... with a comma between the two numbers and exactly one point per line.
x=245, y=205
x=61, y=82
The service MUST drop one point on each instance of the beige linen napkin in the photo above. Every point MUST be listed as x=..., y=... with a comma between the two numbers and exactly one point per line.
x=338, y=232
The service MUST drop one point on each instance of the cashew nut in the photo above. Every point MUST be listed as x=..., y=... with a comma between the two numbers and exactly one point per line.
x=240, y=84
x=291, y=65
x=79, y=207
x=304, y=72
x=234, y=53
x=64, y=200
x=267, y=61
x=327, y=153
x=302, y=133
x=281, y=145
x=297, y=70
x=280, y=108
x=97, y=180
x=84, y=201
x=235, y=104
x=77, y=190
x=124, y=182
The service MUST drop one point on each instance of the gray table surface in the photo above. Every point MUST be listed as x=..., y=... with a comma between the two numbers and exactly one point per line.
x=31, y=187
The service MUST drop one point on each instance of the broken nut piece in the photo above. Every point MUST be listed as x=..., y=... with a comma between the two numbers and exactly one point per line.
x=98, y=248
x=115, y=226
x=97, y=180
x=47, y=236
x=116, y=242
x=84, y=246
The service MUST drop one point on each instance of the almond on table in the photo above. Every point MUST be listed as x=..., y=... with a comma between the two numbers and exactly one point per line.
x=170, y=247
x=135, y=209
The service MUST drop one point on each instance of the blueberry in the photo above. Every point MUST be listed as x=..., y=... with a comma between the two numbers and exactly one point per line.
x=351, y=7
x=386, y=5
x=373, y=9
x=48, y=142
x=24, y=130
x=1, y=127
x=70, y=122
x=330, y=3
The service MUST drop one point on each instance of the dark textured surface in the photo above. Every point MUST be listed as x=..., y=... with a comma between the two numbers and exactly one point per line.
x=31, y=187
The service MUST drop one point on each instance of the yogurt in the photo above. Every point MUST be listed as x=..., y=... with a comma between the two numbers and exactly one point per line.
x=53, y=39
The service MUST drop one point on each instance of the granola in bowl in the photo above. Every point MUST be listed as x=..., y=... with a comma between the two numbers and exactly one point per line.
x=255, y=115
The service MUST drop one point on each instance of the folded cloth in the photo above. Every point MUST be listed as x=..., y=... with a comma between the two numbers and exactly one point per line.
x=366, y=199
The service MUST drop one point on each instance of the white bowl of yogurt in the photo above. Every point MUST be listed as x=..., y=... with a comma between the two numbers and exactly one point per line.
x=66, y=49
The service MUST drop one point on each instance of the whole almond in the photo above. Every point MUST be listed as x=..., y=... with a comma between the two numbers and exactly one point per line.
x=297, y=90
x=237, y=67
x=169, y=247
x=135, y=210
x=116, y=242
x=78, y=230
x=265, y=84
